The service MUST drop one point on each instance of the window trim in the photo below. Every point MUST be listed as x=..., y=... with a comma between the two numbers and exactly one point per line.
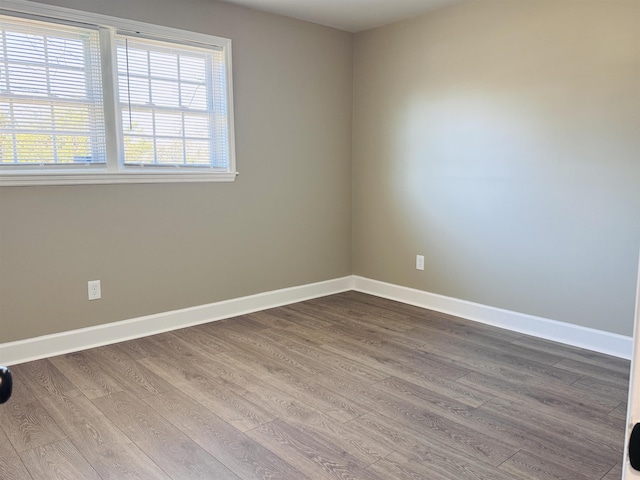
x=113, y=172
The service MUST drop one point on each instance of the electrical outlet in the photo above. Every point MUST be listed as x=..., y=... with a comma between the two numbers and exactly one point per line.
x=94, y=290
x=419, y=262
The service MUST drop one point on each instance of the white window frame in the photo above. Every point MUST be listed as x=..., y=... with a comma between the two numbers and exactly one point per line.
x=114, y=171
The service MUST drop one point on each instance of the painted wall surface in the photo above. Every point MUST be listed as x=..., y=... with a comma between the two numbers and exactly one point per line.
x=501, y=140
x=286, y=220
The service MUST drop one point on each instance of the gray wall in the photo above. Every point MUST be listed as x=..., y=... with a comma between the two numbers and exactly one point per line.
x=498, y=138
x=501, y=140
x=286, y=220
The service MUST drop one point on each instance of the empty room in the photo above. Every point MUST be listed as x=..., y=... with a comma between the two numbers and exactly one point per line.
x=319, y=239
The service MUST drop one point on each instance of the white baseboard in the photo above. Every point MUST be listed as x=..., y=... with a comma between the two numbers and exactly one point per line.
x=567, y=333
x=72, y=341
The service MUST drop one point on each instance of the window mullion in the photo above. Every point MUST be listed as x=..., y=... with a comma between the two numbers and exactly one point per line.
x=112, y=116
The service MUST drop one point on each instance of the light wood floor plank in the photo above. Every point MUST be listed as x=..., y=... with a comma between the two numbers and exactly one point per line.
x=543, y=435
x=614, y=474
x=600, y=372
x=174, y=452
x=86, y=373
x=620, y=412
x=109, y=451
x=58, y=461
x=289, y=405
x=11, y=466
x=313, y=354
x=418, y=415
x=311, y=456
x=241, y=454
x=398, y=469
x=526, y=465
x=590, y=441
x=413, y=448
x=26, y=424
x=130, y=375
x=210, y=392
x=42, y=378
x=573, y=353
x=302, y=388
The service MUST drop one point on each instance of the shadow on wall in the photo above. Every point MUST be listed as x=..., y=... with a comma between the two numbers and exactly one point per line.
x=500, y=200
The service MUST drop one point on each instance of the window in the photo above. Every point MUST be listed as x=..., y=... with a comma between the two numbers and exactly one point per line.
x=92, y=99
x=172, y=103
x=50, y=94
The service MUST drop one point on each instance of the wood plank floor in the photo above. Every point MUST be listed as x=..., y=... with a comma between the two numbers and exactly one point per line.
x=348, y=386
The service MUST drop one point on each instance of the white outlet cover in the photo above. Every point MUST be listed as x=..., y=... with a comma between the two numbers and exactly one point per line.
x=95, y=292
x=419, y=262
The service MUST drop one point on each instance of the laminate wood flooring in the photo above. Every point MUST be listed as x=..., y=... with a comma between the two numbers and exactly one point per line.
x=348, y=386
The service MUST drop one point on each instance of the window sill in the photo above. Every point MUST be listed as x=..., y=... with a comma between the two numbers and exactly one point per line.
x=16, y=180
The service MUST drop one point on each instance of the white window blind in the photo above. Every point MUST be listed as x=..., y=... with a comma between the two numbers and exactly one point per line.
x=173, y=103
x=51, y=103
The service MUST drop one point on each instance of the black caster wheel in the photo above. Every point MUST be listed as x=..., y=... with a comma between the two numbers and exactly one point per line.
x=6, y=384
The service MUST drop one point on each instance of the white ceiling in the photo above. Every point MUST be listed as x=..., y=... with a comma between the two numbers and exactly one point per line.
x=349, y=15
